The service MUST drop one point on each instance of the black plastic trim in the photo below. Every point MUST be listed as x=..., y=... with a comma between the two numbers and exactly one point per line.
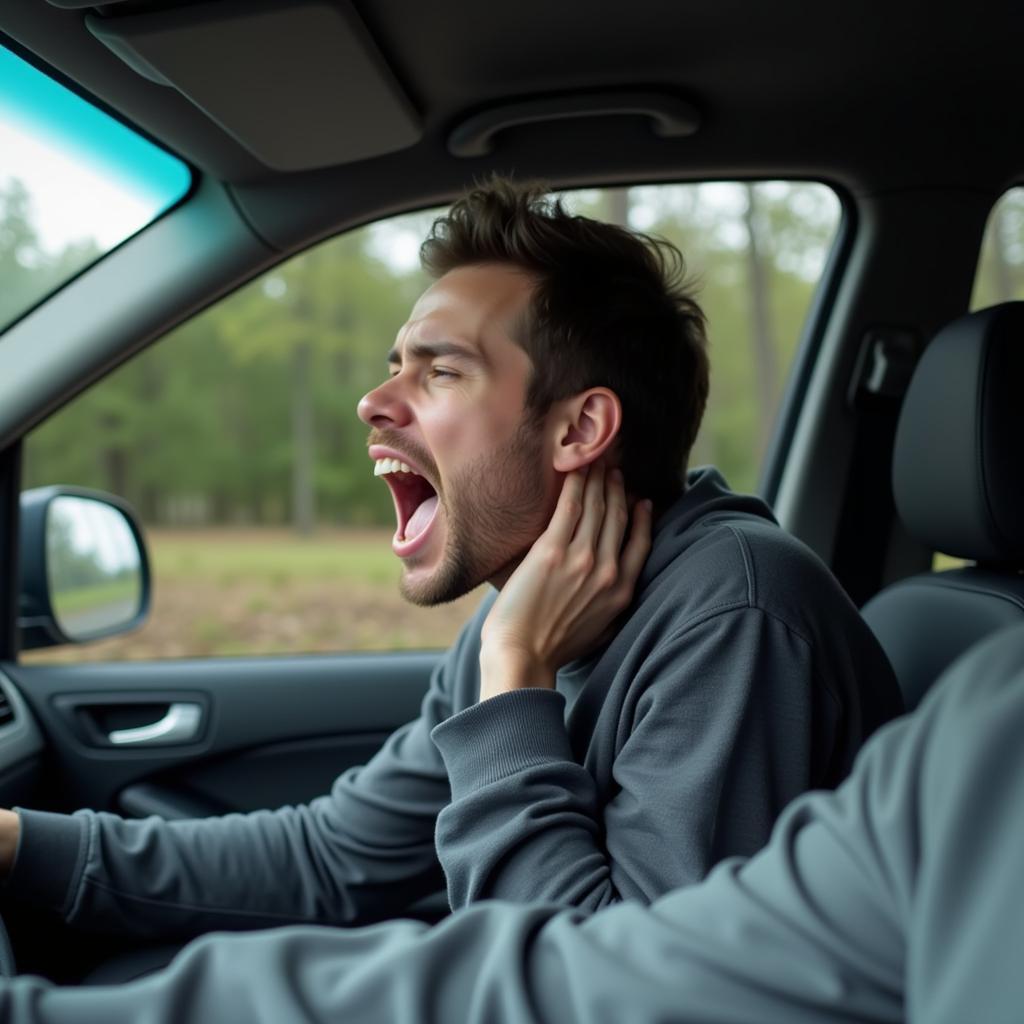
x=10, y=564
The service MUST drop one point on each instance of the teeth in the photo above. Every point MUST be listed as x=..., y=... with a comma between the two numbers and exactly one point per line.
x=384, y=466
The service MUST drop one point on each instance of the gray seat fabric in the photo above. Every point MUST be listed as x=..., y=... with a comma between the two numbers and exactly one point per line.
x=958, y=481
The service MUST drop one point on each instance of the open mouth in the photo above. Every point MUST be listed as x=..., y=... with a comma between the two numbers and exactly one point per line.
x=415, y=502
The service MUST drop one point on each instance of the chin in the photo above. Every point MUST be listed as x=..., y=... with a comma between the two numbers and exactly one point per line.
x=456, y=577
x=447, y=583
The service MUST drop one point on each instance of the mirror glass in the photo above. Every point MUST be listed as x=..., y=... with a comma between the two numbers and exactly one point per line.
x=94, y=568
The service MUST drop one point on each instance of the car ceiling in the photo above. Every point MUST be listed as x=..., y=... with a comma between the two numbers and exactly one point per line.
x=874, y=97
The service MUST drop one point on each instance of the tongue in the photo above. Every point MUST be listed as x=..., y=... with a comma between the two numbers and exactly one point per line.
x=420, y=519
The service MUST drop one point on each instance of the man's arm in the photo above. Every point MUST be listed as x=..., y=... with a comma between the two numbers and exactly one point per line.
x=716, y=743
x=364, y=852
x=882, y=901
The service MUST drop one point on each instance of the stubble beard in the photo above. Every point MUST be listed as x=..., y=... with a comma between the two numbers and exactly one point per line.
x=493, y=511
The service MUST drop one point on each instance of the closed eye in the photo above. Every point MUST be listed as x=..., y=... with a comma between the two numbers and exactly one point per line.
x=442, y=371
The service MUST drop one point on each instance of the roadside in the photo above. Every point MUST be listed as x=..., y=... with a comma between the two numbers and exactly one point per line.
x=240, y=592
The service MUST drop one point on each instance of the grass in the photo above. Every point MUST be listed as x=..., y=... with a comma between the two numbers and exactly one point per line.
x=79, y=599
x=277, y=556
x=255, y=592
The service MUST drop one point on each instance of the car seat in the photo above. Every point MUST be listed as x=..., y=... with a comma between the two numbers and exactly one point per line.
x=958, y=483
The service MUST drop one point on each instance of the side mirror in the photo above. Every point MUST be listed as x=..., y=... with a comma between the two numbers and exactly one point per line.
x=84, y=570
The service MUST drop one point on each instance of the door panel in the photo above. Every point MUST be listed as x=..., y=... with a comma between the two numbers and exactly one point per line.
x=271, y=730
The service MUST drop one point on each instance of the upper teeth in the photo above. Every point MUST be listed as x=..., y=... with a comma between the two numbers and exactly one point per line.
x=383, y=466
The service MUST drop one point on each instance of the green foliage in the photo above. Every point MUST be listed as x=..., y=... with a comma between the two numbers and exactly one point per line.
x=205, y=427
x=27, y=272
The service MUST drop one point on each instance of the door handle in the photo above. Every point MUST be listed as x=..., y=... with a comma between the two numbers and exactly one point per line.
x=179, y=725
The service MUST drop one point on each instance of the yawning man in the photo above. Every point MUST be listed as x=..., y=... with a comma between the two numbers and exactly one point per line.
x=657, y=670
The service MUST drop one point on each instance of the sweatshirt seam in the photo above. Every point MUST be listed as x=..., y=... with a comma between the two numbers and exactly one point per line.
x=717, y=610
x=81, y=865
x=748, y=564
x=195, y=907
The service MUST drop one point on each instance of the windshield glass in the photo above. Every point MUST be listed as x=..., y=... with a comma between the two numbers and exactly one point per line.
x=74, y=183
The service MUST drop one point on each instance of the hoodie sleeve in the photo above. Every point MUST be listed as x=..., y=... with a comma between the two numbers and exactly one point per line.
x=363, y=852
x=895, y=897
x=715, y=745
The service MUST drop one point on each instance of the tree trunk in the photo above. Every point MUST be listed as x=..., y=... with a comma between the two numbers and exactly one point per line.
x=617, y=206
x=761, y=332
x=150, y=386
x=303, y=498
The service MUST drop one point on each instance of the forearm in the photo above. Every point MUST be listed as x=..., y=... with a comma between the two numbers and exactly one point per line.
x=155, y=878
x=524, y=821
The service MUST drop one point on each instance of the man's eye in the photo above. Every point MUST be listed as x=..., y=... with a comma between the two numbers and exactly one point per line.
x=442, y=371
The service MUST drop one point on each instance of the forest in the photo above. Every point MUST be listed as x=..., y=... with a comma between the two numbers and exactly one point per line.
x=246, y=413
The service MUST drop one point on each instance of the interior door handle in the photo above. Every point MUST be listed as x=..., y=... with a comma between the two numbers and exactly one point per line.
x=179, y=725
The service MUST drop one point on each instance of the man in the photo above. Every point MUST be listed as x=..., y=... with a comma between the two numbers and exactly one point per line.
x=618, y=716
x=898, y=897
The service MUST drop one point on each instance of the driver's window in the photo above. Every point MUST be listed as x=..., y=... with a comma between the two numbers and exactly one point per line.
x=235, y=438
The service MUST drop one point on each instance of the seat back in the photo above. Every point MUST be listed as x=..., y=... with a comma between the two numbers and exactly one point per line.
x=958, y=481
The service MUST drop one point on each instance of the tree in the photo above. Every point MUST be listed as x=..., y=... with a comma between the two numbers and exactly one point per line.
x=762, y=329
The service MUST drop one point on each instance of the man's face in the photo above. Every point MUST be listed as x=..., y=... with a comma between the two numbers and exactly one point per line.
x=479, y=489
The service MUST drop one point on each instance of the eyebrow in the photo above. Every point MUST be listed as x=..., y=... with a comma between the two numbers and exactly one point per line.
x=430, y=350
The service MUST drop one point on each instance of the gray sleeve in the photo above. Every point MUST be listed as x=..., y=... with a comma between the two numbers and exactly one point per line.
x=713, y=746
x=897, y=897
x=364, y=852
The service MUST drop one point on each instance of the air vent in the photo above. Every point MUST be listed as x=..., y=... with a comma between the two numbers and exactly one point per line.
x=6, y=711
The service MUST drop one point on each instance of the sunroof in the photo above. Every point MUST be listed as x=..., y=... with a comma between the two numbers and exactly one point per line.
x=74, y=183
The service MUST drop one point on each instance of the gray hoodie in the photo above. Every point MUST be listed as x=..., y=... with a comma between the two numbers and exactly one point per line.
x=740, y=677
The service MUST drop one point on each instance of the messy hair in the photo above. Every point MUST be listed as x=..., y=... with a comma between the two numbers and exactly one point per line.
x=610, y=308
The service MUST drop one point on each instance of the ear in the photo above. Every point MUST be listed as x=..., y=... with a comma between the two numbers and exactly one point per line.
x=584, y=427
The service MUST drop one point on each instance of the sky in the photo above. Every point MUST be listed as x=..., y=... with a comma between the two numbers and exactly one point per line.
x=89, y=176
x=71, y=201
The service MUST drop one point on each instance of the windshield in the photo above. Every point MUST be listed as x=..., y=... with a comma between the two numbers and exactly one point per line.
x=74, y=183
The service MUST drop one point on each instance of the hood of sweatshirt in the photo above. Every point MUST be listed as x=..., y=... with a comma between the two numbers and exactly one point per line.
x=707, y=499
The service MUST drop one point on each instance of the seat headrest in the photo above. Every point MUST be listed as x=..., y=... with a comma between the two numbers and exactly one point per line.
x=958, y=468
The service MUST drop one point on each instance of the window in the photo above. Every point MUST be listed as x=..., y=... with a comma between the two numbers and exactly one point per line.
x=1000, y=276
x=74, y=183
x=236, y=439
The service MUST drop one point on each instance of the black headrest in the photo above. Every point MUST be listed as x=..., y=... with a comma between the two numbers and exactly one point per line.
x=958, y=466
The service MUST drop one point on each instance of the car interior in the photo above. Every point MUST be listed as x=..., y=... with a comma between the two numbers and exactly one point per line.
x=298, y=121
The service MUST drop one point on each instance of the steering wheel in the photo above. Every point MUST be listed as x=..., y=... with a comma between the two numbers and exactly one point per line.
x=7, y=968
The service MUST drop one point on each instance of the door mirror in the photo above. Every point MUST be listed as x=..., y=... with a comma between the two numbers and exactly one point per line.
x=84, y=569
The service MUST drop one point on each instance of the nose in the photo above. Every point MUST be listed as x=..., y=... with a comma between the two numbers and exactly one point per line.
x=384, y=406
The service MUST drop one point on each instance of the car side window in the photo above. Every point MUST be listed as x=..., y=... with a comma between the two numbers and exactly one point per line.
x=1000, y=274
x=235, y=437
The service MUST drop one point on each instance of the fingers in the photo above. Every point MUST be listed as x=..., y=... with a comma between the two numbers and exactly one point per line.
x=589, y=528
x=616, y=516
x=568, y=509
x=638, y=547
x=591, y=516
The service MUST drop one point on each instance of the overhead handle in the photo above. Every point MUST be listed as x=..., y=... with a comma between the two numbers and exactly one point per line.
x=670, y=116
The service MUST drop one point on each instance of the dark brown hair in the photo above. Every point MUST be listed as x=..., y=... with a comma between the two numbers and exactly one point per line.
x=610, y=308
